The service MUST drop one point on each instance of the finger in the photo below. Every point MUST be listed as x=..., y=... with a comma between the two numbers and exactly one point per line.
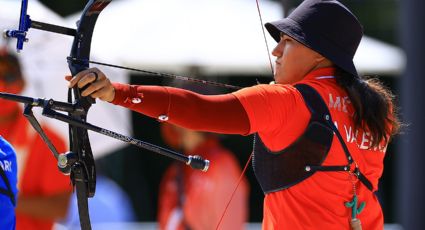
x=96, y=76
x=79, y=76
x=75, y=79
x=89, y=90
x=94, y=86
x=68, y=77
x=105, y=94
x=90, y=77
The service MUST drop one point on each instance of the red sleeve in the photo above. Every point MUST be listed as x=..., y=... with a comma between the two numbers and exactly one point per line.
x=269, y=107
x=212, y=113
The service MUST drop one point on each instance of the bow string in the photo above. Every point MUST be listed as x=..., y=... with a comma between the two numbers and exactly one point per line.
x=79, y=161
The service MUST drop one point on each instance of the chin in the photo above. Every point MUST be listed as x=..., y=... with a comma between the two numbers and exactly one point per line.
x=280, y=78
x=281, y=81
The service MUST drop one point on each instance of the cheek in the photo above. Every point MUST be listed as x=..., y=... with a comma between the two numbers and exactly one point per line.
x=303, y=61
x=292, y=60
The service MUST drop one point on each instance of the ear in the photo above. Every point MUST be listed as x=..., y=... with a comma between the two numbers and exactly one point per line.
x=322, y=61
x=319, y=58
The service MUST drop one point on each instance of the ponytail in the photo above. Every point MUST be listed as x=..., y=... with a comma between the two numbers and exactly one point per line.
x=374, y=107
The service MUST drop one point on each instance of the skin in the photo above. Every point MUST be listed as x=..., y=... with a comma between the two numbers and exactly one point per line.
x=99, y=88
x=293, y=62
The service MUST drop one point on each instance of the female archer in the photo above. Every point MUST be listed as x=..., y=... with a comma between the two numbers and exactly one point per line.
x=321, y=130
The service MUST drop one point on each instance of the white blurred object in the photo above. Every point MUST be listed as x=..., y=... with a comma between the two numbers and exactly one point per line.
x=377, y=57
x=219, y=36
x=44, y=65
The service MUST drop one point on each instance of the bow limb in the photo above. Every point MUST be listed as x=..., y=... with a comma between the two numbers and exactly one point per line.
x=79, y=140
x=83, y=172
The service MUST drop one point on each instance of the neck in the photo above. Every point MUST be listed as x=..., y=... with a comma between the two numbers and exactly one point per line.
x=323, y=64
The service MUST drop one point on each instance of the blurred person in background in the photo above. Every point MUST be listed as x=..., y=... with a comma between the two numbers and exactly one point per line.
x=192, y=199
x=321, y=130
x=8, y=189
x=44, y=191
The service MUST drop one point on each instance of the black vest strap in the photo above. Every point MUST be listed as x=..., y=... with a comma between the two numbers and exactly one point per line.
x=317, y=105
x=308, y=92
x=280, y=170
x=8, y=192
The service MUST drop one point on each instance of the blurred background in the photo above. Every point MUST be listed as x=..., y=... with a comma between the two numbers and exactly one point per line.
x=223, y=41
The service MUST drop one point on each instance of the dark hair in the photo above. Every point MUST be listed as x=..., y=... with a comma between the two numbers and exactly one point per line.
x=374, y=107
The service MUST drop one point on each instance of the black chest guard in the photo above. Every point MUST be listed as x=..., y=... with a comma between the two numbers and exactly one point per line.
x=276, y=171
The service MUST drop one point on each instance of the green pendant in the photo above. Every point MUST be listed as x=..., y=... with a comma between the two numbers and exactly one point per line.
x=353, y=205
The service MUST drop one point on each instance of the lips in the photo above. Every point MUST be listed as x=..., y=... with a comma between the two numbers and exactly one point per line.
x=277, y=61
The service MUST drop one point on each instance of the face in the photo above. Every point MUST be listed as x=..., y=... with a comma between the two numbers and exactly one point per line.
x=9, y=84
x=293, y=60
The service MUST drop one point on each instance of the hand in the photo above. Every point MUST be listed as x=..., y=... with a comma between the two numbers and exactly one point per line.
x=99, y=86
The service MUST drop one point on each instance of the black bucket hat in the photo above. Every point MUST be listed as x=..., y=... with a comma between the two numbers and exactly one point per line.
x=325, y=26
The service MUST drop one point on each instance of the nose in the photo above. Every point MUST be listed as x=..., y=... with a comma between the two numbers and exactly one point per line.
x=278, y=50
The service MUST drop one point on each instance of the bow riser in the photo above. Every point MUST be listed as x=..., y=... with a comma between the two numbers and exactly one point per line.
x=79, y=139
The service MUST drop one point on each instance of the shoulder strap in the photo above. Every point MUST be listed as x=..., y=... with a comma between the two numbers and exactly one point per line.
x=316, y=105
